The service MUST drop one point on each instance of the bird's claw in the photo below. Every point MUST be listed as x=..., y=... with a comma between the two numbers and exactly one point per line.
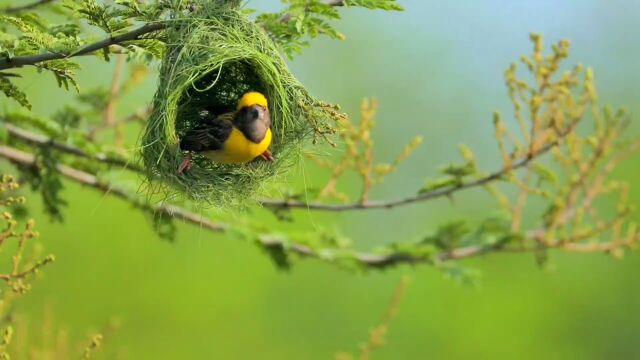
x=185, y=165
x=267, y=155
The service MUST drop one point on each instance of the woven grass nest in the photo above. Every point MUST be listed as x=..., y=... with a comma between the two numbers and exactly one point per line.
x=213, y=57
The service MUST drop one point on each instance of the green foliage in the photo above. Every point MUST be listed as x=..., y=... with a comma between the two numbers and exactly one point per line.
x=107, y=18
x=63, y=71
x=163, y=225
x=16, y=279
x=279, y=255
x=46, y=180
x=212, y=52
x=375, y=4
x=36, y=35
x=455, y=174
x=302, y=20
x=11, y=91
x=27, y=34
x=242, y=54
x=448, y=236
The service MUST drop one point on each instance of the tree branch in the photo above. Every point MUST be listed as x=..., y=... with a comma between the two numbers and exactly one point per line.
x=19, y=61
x=40, y=140
x=25, y=159
x=26, y=7
x=268, y=240
x=43, y=141
x=369, y=260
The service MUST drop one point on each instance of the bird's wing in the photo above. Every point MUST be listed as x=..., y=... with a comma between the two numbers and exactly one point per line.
x=210, y=135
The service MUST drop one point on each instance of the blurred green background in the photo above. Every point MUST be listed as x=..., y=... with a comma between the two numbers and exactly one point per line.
x=437, y=70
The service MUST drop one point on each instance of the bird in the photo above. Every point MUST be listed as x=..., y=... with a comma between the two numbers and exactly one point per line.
x=232, y=138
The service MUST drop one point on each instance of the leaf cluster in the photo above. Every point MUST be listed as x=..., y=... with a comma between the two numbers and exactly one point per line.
x=303, y=20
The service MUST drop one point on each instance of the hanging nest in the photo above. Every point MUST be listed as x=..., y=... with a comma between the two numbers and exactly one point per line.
x=213, y=57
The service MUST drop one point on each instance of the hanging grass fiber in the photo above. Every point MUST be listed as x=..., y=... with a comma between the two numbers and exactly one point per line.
x=213, y=57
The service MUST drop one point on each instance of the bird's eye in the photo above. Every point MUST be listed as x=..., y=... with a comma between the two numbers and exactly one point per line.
x=255, y=113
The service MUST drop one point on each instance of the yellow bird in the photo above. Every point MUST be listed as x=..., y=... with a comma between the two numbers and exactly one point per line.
x=232, y=138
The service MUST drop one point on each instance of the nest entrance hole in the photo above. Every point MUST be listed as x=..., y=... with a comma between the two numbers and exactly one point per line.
x=215, y=93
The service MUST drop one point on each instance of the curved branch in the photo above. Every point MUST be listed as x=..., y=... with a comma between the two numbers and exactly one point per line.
x=369, y=260
x=19, y=61
x=40, y=140
x=44, y=141
x=25, y=159
x=26, y=7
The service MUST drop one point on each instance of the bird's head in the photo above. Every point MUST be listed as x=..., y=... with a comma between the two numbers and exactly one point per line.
x=253, y=116
x=251, y=99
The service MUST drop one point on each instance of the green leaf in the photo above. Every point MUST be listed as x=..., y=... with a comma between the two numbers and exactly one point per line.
x=494, y=231
x=64, y=72
x=302, y=20
x=449, y=235
x=164, y=226
x=144, y=49
x=278, y=254
x=459, y=170
x=461, y=275
x=101, y=15
x=28, y=119
x=435, y=184
x=46, y=180
x=545, y=174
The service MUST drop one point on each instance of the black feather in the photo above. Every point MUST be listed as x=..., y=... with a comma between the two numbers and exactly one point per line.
x=207, y=136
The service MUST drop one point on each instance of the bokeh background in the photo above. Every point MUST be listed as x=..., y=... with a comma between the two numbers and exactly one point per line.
x=437, y=70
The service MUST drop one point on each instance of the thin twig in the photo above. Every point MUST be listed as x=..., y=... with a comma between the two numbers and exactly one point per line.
x=24, y=273
x=429, y=195
x=110, y=110
x=388, y=204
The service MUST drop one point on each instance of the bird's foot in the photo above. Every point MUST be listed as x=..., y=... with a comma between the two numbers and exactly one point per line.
x=185, y=165
x=267, y=155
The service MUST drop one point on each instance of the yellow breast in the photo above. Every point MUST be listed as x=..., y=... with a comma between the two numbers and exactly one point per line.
x=238, y=149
